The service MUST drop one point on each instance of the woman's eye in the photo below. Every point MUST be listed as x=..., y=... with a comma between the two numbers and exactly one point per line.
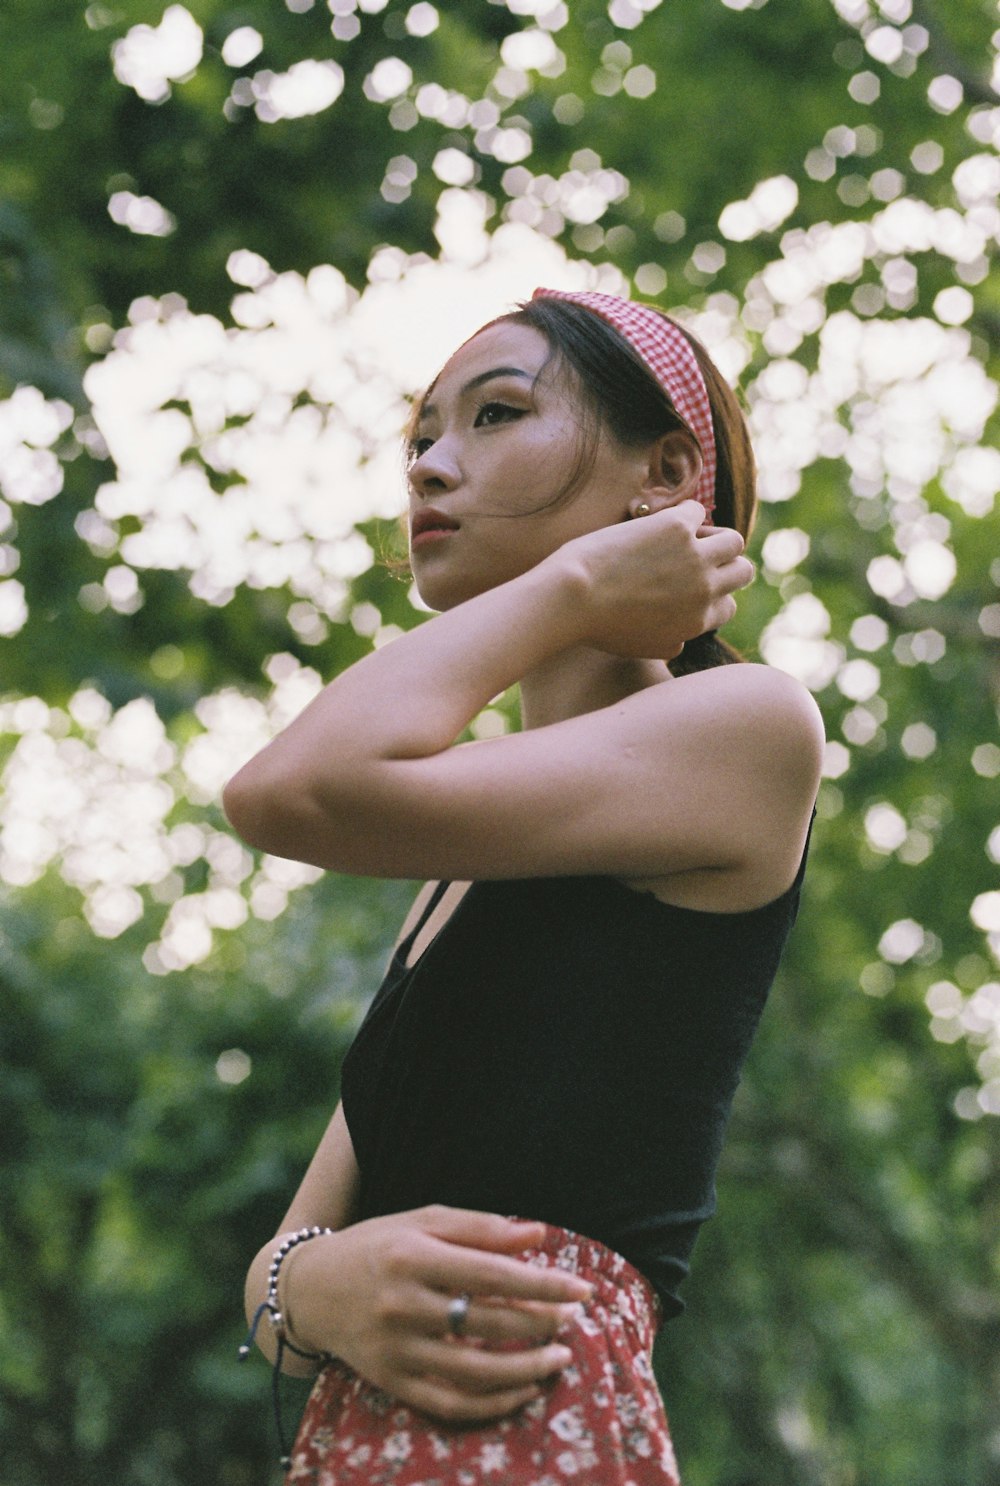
x=418, y=447
x=496, y=412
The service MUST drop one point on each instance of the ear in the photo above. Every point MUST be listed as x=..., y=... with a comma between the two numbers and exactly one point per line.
x=674, y=470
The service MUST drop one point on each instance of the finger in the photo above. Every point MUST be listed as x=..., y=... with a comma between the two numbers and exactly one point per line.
x=489, y=1319
x=455, y=1270
x=546, y=1322
x=738, y=573
x=479, y=1230
x=495, y=1321
x=476, y=1371
x=721, y=612
x=722, y=543
x=466, y=1249
x=445, y=1402
x=748, y=571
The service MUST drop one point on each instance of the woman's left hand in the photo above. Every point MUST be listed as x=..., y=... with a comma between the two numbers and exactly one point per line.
x=379, y=1294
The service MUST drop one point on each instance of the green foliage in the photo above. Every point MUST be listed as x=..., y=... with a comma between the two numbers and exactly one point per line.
x=138, y=1178
x=160, y=1094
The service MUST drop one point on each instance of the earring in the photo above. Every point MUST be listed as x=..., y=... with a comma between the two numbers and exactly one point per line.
x=642, y=509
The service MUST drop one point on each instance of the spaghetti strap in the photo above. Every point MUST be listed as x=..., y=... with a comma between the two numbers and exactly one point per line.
x=405, y=945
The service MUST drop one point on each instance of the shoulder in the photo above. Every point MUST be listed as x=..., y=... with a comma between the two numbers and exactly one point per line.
x=746, y=702
x=757, y=732
x=782, y=714
x=748, y=729
x=745, y=745
x=752, y=679
x=763, y=697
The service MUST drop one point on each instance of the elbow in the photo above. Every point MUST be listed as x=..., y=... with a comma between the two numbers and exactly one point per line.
x=262, y=813
x=241, y=805
x=286, y=819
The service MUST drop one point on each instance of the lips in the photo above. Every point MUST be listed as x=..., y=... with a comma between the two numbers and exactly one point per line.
x=428, y=524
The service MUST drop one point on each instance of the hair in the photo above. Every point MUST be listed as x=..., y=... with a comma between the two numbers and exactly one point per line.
x=619, y=395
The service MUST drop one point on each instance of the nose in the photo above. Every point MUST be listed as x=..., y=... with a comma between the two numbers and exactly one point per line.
x=435, y=470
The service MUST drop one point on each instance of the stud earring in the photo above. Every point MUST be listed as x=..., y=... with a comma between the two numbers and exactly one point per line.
x=642, y=509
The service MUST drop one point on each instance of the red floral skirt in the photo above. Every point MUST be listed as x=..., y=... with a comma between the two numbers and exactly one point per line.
x=601, y=1423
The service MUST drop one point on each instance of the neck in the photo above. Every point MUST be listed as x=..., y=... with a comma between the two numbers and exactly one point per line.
x=583, y=680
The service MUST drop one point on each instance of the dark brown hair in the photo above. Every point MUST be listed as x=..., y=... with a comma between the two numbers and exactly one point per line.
x=619, y=394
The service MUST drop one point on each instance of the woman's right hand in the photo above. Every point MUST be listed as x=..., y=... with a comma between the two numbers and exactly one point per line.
x=654, y=583
x=376, y=1295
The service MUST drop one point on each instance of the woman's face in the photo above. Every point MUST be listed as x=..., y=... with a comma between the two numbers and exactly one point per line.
x=497, y=440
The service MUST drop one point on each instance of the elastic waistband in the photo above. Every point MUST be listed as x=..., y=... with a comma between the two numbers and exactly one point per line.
x=620, y=1291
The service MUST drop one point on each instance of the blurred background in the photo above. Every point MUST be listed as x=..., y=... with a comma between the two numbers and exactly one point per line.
x=235, y=238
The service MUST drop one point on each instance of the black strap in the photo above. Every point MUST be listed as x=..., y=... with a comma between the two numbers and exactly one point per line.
x=406, y=944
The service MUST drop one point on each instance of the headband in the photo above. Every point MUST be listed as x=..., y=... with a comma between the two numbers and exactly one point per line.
x=666, y=353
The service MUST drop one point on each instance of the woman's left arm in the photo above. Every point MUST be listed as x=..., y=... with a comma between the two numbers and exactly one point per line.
x=366, y=780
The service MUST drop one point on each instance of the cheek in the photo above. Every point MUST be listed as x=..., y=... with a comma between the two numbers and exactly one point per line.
x=539, y=472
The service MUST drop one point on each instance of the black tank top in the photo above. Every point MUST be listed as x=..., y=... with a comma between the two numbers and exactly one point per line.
x=565, y=1049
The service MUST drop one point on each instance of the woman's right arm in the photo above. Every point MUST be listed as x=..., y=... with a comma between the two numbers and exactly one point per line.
x=376, y=1295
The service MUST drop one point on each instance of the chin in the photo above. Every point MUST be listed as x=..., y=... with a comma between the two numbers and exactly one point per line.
x=440, y=597
x=443, y=586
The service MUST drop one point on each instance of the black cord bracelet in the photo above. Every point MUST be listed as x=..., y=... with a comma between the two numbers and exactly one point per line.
x=270, y=1307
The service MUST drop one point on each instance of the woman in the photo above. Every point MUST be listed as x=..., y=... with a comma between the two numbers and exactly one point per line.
x=573, y=994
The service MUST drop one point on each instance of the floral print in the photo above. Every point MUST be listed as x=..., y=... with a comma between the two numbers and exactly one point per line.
x=601, y=1424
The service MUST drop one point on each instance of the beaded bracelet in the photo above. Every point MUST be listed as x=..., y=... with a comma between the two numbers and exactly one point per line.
x=270, y=1305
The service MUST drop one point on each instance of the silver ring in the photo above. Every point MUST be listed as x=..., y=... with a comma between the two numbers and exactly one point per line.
x=458, y=1314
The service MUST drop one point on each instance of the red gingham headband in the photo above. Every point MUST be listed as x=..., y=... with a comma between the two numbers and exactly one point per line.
x=669, y=357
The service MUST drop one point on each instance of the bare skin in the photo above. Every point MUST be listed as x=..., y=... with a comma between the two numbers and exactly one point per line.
x=698, y=790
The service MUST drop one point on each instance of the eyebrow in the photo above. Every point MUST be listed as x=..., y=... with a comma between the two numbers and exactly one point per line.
x=477, y=381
